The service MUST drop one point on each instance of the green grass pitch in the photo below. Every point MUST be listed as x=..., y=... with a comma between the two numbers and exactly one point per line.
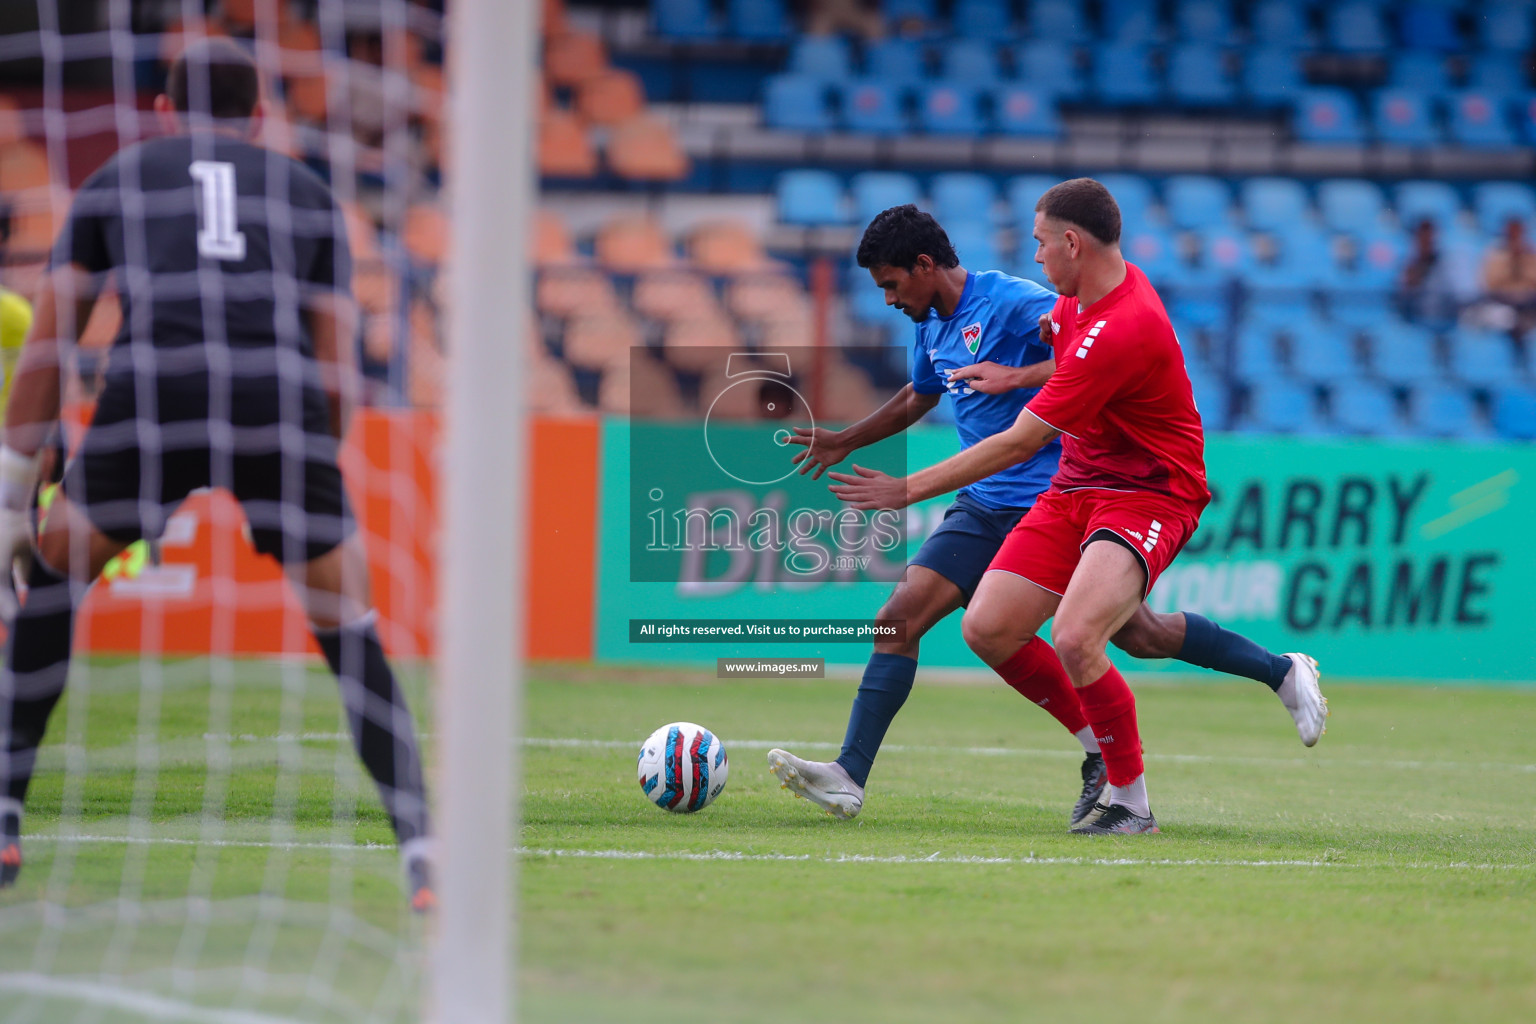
x=1388, y=874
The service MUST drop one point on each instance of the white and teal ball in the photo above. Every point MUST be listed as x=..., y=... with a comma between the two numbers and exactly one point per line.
x=683, y=767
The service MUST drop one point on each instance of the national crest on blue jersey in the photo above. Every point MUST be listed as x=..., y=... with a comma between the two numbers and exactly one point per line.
x=971, y=334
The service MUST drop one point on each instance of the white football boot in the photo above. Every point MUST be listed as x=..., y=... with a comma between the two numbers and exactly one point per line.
x=1303, y=699
x=824, y=783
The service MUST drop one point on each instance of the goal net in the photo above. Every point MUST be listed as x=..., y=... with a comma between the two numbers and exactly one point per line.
x=202, y=841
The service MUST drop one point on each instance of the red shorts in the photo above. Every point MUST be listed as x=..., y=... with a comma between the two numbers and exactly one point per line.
x=1048, y=542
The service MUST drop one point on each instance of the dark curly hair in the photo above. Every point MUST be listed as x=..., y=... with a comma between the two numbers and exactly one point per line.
x=898, y=236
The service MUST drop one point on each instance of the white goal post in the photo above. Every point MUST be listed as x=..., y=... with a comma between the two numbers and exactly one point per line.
x=492, y=47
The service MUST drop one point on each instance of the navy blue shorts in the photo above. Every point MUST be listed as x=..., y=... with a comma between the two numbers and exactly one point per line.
x=962, y=546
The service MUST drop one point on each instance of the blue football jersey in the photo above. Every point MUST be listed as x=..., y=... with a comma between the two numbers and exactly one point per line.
x=997, y=320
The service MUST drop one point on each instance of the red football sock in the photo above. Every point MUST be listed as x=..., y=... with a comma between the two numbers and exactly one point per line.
x=1036, y=672
x=1111, y=708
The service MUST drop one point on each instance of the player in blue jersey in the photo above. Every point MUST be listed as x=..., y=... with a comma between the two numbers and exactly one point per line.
x=978, y=338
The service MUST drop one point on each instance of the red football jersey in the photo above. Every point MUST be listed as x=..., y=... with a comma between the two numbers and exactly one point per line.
x=1121, y=397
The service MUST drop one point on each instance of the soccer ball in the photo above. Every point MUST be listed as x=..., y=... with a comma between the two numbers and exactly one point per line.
x=683, y=767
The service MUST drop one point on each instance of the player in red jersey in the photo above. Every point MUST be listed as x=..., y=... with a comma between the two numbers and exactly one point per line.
x=1127, y=496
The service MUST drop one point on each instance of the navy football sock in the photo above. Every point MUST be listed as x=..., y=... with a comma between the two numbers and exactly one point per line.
x=36, y=667
x=883, y=690
x=1209, y=646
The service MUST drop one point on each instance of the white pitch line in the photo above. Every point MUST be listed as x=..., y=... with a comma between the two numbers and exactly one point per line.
x=897, y=748
x=145, y=1004
x=803, y=858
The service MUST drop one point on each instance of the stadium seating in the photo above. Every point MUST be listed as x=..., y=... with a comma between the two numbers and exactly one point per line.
x=1204, y=21
x=898, y=62
x=1058, y=20
x=1046, y=65
x=1429, y=26
x=971, y=62
x=1422, y=71
x=1196, y=201
x=874, y=191
x=796, y=102
x=1281, y=23
x=964, y=197
x=1403, y=117
x=1356, y=27
x=1198, y=76
x=1327, y=115
x=1123, y=76
x=1498, y=74
x=686, y=19
x=1477, y=119
x=1130, y=22
x=1273, y=203
x=1496, y=202
x=1019, y=110
x=1364, y=407
x=991, y=20
x=873, y=108
x=1483, y=358
x=1402, y=353
x=1420, y=200
x=1443, y=410
x=950, y=108
x=811, y=198
x=1271, y=75
x=758, y=20
x=1134, y=195
x=1350, y=205
x=1505, y=25
x=822, y=57
x=1514, y=413
x=1281, y=406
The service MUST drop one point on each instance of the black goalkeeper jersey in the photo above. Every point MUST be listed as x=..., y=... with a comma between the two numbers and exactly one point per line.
x=210, y=241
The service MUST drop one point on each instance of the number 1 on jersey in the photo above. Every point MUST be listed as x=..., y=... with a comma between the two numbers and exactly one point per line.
x=217, y=237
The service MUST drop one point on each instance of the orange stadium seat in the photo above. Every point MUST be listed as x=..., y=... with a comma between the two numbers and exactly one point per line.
x=551, y=389
x=379, y=337
x=23, y=165
x=308, y=97
x=424, y=388
x=613, y=96
x=600, y=340
x=430, y=90
x=764, y=297
x=35, y=218
x=553, y=21
x=630, y=244
x=362, y=236
x=425, y=234
x=645, y=149
x=696, y=343
x=727, y=247
x=571, y=291
x=299, y=42
x=552, y=244
x=846, y=394
x=12, y=127
x=641, y=387
x=564, y=149
x=673, y=294
x=571, y=58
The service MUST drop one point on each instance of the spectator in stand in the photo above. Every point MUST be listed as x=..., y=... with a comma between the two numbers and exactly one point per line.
x=861, y=18
x=1509, y=277
x=1426, y=290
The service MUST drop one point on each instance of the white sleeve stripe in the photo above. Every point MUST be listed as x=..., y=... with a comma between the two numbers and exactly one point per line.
x=1051, y=425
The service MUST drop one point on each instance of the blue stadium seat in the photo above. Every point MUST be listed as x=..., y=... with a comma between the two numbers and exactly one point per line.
x=1321, y=352
x=1024, y=264
x=949, y=108
x=1359, y=307
x=1198, y=76
x=1477, y=120
x=810, y=198
x=1049, y=66
x=962, y=196
x=1356, y=28
x=1152, y=250
x=1281, y=23
x=1428, y=26
x=982, y=19
x=685, y=19
x=1256, y=353
x=1224, y=253
x=1025, y=110
x=1418, y=200
x=1514, y=413
x=1327, y=115
x=1498, y=74
x=1350, y=204
x=867, y=304
x=1379, y=261
x=1057, y=20
x=1281, y=406
x=1402, y=353
x=796, y=103
x=1194, y=307
x=1525, y=118
x=1483, y=358
x=975, y=244
x=1272, y=76
x=874, y=191
x=1505, y=26
x=823, y=57
x=1274, y=203
x=1133, y=194
x=1204, y=21
x=1495, y=202
x=1122, y=76
x=1129, y=22
x=1197, y=201
x=897, y=61
x=1365, y=407
x=1271, y=311
x=1403, y=118
x=971, y=61
x=872, y=108
x=758, y=20
x=924, y=10
x=1211, y=398
x=1445, y=410
x=1421, y=71
x=1023, y=193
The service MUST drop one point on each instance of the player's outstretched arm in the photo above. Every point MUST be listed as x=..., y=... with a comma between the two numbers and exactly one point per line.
x=994, y=378
x=826, y=448
x=871, y=489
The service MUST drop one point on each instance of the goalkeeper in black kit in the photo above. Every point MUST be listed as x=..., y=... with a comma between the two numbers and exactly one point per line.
x=232, y=369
